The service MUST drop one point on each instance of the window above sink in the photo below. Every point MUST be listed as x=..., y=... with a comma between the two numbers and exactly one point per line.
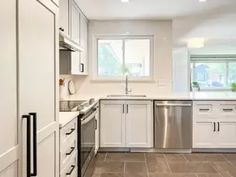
x=119, y=55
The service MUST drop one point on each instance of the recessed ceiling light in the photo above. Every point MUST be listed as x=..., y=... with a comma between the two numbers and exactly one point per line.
x=202, y=0
x=124, y=1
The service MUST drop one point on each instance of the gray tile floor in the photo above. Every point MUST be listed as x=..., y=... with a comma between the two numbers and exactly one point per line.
x=165, y=165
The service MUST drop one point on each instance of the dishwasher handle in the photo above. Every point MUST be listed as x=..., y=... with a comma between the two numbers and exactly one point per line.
x=173, y=105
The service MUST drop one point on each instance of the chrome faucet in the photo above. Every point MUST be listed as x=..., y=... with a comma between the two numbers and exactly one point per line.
x=127, y=90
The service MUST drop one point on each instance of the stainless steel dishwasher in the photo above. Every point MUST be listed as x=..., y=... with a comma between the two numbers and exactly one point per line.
x=173, y=125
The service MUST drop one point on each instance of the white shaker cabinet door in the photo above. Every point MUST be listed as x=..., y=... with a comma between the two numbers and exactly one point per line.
x=112, y=130
x=203, y=134
x=226, y=134
x=84, y=43
x=139, y=124
x=64, y=16
x=9, y=127
x=38, y=78
x=74, y=21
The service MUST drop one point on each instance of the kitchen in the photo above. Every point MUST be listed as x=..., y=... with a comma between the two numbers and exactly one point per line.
x=118, y=88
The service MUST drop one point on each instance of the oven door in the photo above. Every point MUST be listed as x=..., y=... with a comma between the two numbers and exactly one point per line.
x=88, y=127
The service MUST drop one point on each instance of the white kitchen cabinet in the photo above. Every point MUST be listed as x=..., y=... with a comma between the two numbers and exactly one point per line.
x=227, y=134
x=68, y=147
x=126, y=124
x=139, y=124
x=70, y=63
x=74, y=24
x=38, y=78
x=214, y=124
x=84, y=45
x=74, y=21
x=30, y=76
x=112, y=130
x=203, y=135
x=9, y=127
x=64, y=17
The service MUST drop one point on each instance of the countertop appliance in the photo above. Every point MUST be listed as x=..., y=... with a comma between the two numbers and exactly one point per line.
x=87, y=126
x=173, y=125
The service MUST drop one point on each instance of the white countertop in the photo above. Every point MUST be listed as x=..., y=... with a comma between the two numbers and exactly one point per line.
x=208, y=96
x=66, y=117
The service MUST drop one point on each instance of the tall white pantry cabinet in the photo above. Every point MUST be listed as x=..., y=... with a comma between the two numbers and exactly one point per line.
x=29, y=93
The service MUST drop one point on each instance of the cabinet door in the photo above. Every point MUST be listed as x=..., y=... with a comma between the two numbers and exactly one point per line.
x=84, y=43
x=9, y=119
x=112, y=130
x=226, y=135
x=64, y=16
x=74, y=22
x=139, y=124
x=38, y=78
x=203, y=134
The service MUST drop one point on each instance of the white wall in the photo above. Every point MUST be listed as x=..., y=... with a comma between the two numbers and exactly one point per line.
x=162, y=31
x=181, y=70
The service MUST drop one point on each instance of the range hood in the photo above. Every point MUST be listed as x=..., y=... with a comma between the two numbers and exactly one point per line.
x=67, y=44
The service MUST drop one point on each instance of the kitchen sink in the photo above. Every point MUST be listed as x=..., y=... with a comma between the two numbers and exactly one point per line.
x=132, y=96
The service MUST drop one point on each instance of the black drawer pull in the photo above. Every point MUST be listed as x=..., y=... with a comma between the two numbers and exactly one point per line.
x=204, y=109
x=214, y=127
x=72, y=130
x=72, y=169
x=228, y=110
x=72, y=149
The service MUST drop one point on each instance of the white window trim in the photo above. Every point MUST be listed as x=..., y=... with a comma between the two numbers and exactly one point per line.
x=213, y=59
x=95, y=76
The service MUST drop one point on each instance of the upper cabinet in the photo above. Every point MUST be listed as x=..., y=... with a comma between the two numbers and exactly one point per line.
x=64, y=17
x=84, y=44
x=74, y=21
x=74, y=24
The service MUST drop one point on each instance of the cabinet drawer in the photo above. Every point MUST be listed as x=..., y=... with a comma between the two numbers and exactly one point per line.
x=203, y=108
x=227, y=109
x=67, y=151
x=70, y=130
x=70, y=169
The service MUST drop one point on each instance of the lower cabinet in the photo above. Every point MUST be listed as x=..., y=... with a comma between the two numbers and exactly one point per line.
x=126, y=124
x=215, y=128
x=68, y=149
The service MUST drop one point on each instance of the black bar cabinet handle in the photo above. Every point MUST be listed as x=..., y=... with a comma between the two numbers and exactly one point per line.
x=72, y=149
x=72, y=130
x=127, y=106
x=72, y=169
x=96, y=124
x=28, y=145
x=218, y=126
x=82, y=67
x=34, y=115
x=214, y=126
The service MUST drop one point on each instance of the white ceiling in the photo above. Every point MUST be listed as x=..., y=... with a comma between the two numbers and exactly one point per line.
x=147, y=9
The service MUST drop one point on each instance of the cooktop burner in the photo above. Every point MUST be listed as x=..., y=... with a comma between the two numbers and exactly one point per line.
x=72, y=106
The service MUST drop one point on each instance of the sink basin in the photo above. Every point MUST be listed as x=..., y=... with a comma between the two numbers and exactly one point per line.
x=132, y=96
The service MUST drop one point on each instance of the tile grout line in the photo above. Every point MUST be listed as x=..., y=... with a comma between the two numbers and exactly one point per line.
x=167, y=163
x=145, y=159
x=105, y=157
x=215, y=169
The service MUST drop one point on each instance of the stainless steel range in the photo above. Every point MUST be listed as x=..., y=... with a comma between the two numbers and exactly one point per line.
x=87, y=125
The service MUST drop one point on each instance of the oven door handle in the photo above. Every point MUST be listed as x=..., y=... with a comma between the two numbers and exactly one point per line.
x=87, y=119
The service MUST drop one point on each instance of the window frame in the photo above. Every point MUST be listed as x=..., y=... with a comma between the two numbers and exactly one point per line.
x=149, y=78
x=226, y=59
